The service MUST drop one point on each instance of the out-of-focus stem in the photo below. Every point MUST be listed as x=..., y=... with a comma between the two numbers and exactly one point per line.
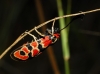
x=64, y=38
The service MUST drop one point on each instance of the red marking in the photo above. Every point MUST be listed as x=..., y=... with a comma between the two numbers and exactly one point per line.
x=46, y=41
x=22, y=57
x=35, y=52
x=25, y=49
x=57, y=35
x=34, y=44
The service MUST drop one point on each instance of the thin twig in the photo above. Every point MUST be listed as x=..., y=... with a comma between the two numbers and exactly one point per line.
x=22, y=36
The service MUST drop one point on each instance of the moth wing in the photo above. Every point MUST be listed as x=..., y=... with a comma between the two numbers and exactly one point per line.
x=12, y=54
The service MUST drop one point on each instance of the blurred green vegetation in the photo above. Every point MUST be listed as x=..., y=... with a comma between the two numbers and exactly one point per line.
x=64, y=34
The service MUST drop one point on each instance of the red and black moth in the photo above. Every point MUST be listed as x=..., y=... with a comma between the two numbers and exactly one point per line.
x=36, y=47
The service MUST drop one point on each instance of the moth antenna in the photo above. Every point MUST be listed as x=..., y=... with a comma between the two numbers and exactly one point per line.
x=76, y=17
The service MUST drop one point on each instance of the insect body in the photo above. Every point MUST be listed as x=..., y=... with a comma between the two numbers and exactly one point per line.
x=36, y=47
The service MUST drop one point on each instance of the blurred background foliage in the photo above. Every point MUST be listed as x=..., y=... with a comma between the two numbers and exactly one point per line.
x=17, y=16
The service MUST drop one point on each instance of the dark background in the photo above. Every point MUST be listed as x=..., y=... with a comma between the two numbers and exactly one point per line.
x=17, y=16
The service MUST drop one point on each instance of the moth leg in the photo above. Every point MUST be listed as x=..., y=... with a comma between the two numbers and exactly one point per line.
x=31, y=35
x=39, y=32
x=53, y=27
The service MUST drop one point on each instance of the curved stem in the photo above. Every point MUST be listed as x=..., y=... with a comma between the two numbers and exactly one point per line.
x=56, y=18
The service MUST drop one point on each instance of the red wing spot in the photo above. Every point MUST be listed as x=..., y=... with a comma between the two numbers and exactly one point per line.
x=46, y=41
x=35, y=52
x=19, y=56
x=25, y=49
x=34, y=44
x=45, y=38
